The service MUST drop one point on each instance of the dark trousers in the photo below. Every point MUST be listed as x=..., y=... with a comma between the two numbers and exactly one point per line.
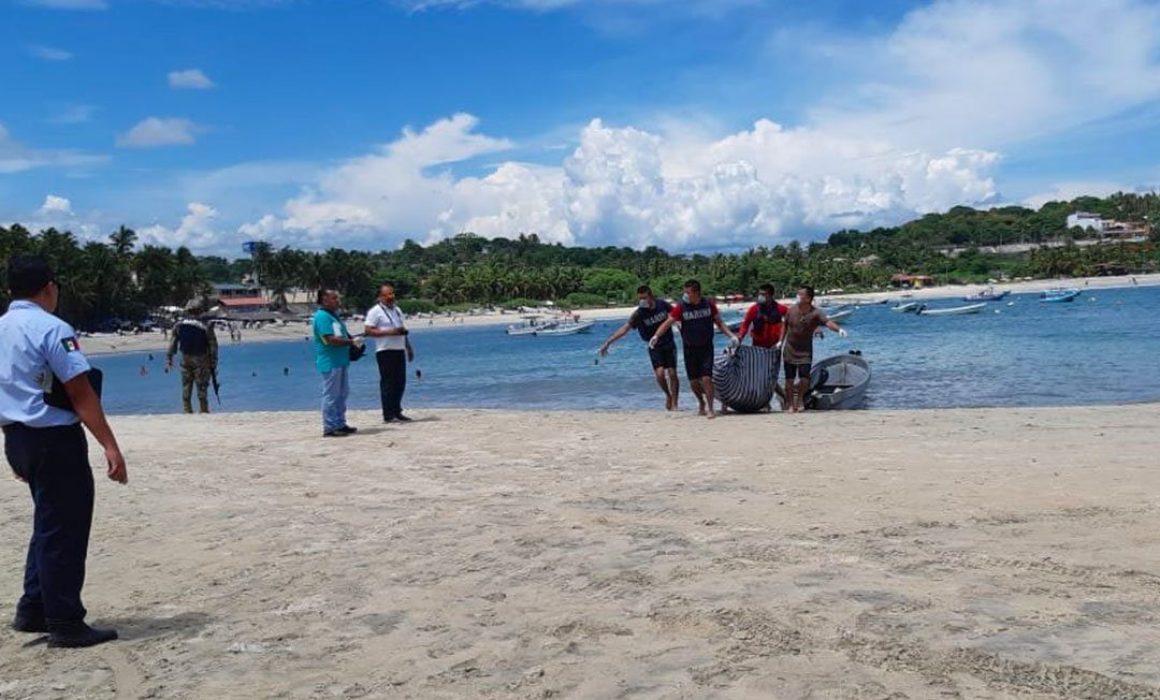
x=392, y=380
x=55, y=463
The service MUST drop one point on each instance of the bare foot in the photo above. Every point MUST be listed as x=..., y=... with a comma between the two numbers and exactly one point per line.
x=668, y=403
x=702, y=411
x=710, y=415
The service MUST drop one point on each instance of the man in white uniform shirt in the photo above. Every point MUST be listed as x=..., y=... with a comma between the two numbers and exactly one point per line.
x=386, y=324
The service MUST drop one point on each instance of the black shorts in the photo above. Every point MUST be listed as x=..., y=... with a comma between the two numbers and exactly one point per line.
x=800, y=371
x=663, y=357
x=699, y=361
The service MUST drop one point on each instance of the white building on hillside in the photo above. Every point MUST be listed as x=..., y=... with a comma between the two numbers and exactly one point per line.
x=1083, y=219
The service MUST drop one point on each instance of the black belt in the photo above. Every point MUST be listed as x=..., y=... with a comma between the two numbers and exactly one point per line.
x=20, y=427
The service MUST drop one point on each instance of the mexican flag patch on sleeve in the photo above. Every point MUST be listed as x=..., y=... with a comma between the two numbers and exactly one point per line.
x=71, y=344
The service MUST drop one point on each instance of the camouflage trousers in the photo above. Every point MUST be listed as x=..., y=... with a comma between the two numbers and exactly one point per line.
x=195, y=369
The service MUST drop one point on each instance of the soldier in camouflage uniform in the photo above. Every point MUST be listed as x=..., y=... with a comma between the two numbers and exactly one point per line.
x=199, y=356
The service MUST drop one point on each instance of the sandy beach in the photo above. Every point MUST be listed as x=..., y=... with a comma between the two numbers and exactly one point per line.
x=105, y=344
x=999, y=553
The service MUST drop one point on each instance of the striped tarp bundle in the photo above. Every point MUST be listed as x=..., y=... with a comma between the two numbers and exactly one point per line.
x=744, y=380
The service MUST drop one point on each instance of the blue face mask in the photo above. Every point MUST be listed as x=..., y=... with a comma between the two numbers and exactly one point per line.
x=685, y=297
x=762, y=299
x=643, y=303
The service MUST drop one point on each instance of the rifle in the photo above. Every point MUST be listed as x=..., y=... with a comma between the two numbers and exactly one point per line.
x=216, y=385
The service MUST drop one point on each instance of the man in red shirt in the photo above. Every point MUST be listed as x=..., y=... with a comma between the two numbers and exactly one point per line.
x=766, y=320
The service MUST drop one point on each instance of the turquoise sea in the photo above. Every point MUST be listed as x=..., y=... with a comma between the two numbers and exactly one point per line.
x=1103, y=348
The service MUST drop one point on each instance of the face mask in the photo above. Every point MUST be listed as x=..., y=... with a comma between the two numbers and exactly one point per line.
x=801, y=299
x=762, y=299
x=643, y=303
x=685, y=297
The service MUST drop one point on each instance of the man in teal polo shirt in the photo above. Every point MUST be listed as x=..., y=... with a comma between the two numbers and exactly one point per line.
x=332, y=343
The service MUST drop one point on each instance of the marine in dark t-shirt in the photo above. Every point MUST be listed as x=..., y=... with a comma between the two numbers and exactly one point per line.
x=698, y=317
x=650, y=314
x=646, y=320
x=697, y=321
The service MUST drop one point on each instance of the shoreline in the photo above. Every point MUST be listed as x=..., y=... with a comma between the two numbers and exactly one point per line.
x=106, y=344
x=996, y=553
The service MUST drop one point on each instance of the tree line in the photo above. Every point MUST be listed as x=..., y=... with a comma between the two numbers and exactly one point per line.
x=117, y=279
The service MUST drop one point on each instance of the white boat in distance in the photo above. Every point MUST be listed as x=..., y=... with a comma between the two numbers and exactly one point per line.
x=954, y=311
x=566, y=328
x=909, y=307
x=529, y=326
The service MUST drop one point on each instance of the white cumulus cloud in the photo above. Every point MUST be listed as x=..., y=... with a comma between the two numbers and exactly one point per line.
x=55, y=205
x=152, y=132
x=191, y=79
x=993, y=72
x=628, y=186
x=197, y=230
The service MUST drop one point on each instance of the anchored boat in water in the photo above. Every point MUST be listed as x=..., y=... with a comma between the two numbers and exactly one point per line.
x=953, y=311
x=988, y=294
x=528, y=326
x=1058, y=296
x=838, y=313
x=567, y=328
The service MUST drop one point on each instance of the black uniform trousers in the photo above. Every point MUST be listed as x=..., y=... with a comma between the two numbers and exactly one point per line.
x=392, y=380
x=55, y=463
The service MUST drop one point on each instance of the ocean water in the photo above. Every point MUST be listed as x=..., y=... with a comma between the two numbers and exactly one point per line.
x=1102, y=348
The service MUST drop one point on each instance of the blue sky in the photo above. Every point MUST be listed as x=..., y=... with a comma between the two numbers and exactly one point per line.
x=690, y=124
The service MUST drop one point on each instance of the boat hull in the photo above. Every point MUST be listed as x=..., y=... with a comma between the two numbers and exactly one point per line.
x=839, y=383
x=1063, y=297
x=569, y=329
x=956, y=311
x=986, y=297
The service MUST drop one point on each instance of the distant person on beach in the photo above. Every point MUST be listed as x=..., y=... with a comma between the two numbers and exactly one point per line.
x=332, y=343
x=387, y=325
x=649, y=314
x=48, y=391
x=697, y=316
x=765, y=320
x=802, y=321
x=199, y=359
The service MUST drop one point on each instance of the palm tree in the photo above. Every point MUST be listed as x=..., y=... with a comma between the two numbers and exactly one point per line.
x=123, y=240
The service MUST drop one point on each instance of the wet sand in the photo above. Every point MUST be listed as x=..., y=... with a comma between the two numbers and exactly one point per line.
x=1000, y=553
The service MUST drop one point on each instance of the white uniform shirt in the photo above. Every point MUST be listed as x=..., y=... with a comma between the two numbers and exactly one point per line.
x=383, y=317
x=34, y=346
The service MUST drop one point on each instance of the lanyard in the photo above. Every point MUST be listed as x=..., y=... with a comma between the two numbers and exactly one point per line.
x=393, y=315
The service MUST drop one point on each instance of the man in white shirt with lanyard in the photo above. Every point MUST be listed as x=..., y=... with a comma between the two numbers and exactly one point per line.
x=386, y=324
